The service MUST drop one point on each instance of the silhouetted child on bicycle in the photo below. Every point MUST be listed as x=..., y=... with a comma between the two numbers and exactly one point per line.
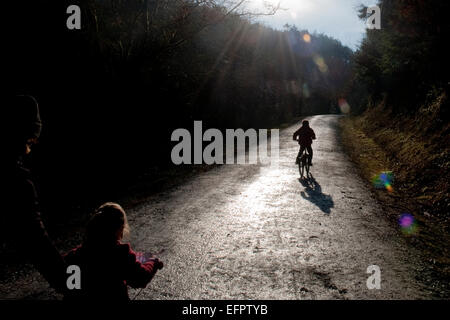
x=107, y=265
x=305, y=136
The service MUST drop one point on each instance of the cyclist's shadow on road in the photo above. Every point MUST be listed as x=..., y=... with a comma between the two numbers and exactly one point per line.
x=313, y=193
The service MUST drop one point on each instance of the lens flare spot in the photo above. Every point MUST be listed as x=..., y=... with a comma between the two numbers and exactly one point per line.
x=305, y=90
x=344, y=106
x=307, y=38
x=407, y=223
x=320, y=62
x=384, y=180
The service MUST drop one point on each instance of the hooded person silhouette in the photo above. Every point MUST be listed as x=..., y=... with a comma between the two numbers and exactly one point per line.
x=21, y=220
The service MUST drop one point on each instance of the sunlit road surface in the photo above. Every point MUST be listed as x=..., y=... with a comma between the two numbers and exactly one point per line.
x=257, y=232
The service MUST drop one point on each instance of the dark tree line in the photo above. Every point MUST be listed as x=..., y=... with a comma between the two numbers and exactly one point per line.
x=112, y=93
x=406, y=62
x=402, y=81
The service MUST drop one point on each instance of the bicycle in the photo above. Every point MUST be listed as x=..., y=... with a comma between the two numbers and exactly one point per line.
x=303, y=164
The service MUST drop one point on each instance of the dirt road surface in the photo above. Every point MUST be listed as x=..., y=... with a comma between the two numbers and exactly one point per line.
x=257, y=232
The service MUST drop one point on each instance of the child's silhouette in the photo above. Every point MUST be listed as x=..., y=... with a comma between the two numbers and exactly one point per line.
x=107, y=265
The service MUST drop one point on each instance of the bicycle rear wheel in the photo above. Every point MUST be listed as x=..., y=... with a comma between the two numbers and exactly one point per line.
x=301, y=168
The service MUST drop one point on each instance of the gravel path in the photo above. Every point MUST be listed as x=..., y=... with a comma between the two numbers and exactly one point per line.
x=257, y=232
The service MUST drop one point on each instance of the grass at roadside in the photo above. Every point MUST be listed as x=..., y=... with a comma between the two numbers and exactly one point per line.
x=420, y=186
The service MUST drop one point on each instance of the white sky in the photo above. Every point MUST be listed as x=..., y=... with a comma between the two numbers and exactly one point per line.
x=335, y=18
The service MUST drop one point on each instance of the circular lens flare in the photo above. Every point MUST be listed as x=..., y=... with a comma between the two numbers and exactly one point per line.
x=344, y=106
x=305, y=90
x=307, y=38
x=320, y=62
x=407, y=223
x=384, y=180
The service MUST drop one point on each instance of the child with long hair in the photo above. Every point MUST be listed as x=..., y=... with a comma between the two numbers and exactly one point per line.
x=107, y=265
